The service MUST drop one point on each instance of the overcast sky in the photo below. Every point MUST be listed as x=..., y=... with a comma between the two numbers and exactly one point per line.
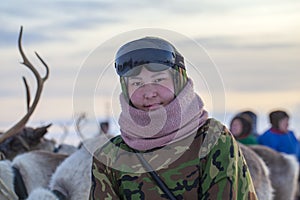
x=253, y=45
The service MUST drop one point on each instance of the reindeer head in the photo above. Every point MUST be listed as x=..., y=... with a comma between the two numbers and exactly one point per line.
x=27, y=139
x=19, y=139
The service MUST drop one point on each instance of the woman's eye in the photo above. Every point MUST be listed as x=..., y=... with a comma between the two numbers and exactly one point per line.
x=137, y=84
x=158, y=80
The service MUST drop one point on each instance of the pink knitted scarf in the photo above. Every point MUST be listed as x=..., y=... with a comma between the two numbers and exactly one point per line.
x=182, y=117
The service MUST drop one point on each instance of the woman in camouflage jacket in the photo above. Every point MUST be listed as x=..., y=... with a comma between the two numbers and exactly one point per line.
x=168, y=148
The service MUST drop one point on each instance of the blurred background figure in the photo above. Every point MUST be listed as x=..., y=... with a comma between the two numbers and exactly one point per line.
x=241, y=128
x=252, y=118
x=104, y=127
x=279, y=137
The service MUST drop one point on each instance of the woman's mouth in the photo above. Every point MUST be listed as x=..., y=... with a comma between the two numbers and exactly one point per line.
x=153, y=106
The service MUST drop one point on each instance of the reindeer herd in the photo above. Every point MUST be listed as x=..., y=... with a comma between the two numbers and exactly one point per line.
x=32, y=168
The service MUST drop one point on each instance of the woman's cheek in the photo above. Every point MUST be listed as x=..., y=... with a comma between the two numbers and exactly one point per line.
x=136, y=96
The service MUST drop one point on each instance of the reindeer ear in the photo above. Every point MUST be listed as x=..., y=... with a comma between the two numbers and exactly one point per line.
x=38, y=133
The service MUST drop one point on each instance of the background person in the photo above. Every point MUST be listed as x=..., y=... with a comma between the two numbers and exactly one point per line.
x=252, y=118
x=279, y=137
x=241, y=129
x=104, y=127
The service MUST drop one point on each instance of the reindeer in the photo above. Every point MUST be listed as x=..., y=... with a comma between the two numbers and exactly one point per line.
x=72, y=178
x=19, y=139
x=27, y=172
x=22, y=172
x=27, y=139
x=259, y=173
x=284, y=171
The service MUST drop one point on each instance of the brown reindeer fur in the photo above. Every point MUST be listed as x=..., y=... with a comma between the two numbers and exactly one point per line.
x=28, y=139
x=284, y=171
x=259, y=173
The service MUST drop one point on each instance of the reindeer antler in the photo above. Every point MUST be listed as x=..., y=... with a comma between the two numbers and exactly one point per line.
x=78, y=125
x=40, y=83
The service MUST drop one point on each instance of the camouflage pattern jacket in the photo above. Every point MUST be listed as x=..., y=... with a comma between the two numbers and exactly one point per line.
x=206, y=165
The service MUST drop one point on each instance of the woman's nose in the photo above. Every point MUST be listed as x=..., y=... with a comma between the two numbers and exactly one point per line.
x=149, y=91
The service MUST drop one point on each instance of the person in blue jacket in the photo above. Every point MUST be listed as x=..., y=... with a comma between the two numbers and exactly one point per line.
x=279, y=137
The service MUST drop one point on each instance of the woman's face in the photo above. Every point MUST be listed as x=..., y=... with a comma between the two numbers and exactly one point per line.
x=236, y=127
x=284, y=124
x=151, y=90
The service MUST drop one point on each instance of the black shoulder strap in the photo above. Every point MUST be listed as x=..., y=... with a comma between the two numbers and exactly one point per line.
x=155, y=177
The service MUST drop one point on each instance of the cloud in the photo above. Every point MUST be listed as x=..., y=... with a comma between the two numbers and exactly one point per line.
x=9, y=37
x=244, y=43
x=253, y=64
x=48, y=17
x=35, y=8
